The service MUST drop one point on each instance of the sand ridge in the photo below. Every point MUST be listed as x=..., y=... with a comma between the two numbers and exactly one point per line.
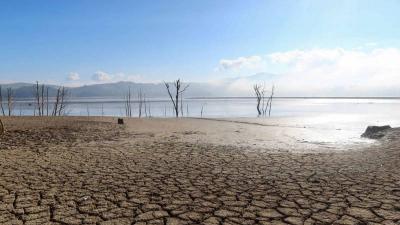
x=81, y=170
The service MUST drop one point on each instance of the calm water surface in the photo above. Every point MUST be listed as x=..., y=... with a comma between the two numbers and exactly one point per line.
x=329, y=121
x=333, y=114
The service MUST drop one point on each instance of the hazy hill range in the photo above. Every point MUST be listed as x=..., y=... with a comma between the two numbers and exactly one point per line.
x=119, y=89
x=230, y=87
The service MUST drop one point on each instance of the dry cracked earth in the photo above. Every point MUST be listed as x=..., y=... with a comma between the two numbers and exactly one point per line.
x=99, y=173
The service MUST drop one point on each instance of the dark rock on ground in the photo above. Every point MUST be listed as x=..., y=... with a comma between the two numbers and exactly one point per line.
x=375, y=132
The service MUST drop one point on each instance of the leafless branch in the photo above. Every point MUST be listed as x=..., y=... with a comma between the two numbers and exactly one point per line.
x=1, y=102
x=178, y=93
x=10, y=101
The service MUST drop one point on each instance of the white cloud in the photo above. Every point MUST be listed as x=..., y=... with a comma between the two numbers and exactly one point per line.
x=251, y=62
x=73, y=76
x=101, y=76
x=334, y=72
x=344, y=70
x=132, y=78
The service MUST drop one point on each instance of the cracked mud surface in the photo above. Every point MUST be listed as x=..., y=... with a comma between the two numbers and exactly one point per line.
x=84, y=172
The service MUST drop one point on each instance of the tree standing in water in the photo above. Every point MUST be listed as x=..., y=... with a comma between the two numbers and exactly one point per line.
x=179, y=89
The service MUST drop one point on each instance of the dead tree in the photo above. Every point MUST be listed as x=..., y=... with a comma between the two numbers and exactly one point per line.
x=140, y=102
x=40, y=99
x=87, y=110
x=1, y=102
x=37, y=99
x=60, y=102
x=63, y=102
x=145, y=105
x=56, y=103
x=178, y=93
x=270, y=99
x=10, y=101
x=149, y=109
x=262, y=108
x=2, y=129
x=47, y=101
x=37, y=96
x=128, y=103
x=259, y=91
x=181, y=105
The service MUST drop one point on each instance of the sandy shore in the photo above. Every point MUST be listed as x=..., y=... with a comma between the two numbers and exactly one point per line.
x=79, y=170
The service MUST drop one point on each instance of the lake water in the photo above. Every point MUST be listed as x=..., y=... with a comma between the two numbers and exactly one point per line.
x=331, y=120
x=230, y=107
x=337, y=113
x=379, y=110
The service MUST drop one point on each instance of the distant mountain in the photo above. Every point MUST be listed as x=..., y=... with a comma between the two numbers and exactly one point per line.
x=229, y=87
x=26, y=90
x=119, y=89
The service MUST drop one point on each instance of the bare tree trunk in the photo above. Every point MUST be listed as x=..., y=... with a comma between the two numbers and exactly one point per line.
x=56, y=103
x=181, y=106
x=258, y=92
x=37, y=95
x=149, y=109
x=42, y=100
x=128, y=104
x=270, y=102
x=145, y=105
x=178, y=92
x=87, y=110
x=60, y=102
x=47, y=101
x=2, y=129
x=263, y=108
x=10, y=100
x=1, y=102
x=140, y=99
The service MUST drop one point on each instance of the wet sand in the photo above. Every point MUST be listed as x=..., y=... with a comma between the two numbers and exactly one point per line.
x=80, y=170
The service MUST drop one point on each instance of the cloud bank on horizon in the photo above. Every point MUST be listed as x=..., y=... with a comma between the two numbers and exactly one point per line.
x=357, y=72
x=321, y=71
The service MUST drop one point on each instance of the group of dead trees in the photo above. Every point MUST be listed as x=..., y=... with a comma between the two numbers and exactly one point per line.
x=144, y=108
x=175, y=92
x=264, y=103
x=42, y=103
x=9, y=102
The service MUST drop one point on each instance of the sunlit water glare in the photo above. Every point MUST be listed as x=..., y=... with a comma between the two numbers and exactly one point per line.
x=327, y=120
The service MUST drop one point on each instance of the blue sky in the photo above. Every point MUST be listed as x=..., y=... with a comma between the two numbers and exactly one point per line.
x=161, y=40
